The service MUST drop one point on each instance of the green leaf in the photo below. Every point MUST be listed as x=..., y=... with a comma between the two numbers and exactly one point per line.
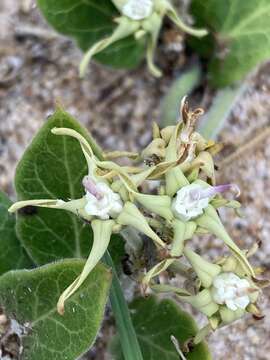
x=242, y=31
x=155, y=321
x=12, y=254
x=30, y=298
x=90, y=21
x=45, y=171
x=53, y=168
x=170, y=106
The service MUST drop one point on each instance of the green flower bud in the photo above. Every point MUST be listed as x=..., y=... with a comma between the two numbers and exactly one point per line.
x=156, y=147
x=182, y=232
x=175, y=179
x=205, y=162
x=166, y=133
x=210, y=221
x=205, y=270
x=131, y=216
x=158, y=204
x=228, y=316
x=203, y=302
x=231, y=264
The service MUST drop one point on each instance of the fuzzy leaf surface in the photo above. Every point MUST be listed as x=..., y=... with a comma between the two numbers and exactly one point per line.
x=30, y=298
x=12, y=254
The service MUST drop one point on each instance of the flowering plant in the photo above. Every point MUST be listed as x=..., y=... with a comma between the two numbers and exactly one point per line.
x=124, y=30
x=182, y=204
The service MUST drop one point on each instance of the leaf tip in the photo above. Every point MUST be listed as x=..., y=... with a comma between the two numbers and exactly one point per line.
x=59, y=105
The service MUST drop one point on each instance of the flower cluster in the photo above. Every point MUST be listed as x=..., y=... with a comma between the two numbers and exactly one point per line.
x=143, y=20
x=185, y=203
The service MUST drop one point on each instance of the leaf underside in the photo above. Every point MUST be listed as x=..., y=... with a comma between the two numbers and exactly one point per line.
x=30, y=298
x=12, y=254
x=242, y=33
x=90, y=21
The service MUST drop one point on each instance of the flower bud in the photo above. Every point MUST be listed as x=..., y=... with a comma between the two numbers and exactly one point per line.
x=131, y=216
x=206, y=164
x=175, y=179
x=228, y=316
x=182, y=232
x=166, y=133
x=156, y=147
x=205, y=270
x=158, y=204
x=210, y=221
x=203, y=302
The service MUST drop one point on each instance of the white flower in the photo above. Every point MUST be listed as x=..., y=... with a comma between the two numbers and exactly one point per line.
x=138, y=9
x=107, y=204
x=189, y=202
x=231, y=290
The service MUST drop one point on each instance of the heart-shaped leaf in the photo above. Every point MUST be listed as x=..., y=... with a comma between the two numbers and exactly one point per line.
x=155, y=322
x=53, y=168
x=90, y=21
x=29, y=298
x=12, y=254
x=242, y=32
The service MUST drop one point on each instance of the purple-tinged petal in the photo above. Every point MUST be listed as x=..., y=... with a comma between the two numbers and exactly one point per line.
x=214, y=190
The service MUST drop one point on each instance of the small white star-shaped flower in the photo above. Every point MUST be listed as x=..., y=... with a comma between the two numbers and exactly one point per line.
x=107, y=204
x=189, y=203
x=231, y=290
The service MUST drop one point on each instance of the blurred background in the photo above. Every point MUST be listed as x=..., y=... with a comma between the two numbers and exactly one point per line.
x=39, y=67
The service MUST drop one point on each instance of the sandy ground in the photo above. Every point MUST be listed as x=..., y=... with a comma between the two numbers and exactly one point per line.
x=37, y=68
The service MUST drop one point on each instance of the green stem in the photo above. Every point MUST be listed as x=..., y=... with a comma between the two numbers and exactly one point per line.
x=128, y=338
